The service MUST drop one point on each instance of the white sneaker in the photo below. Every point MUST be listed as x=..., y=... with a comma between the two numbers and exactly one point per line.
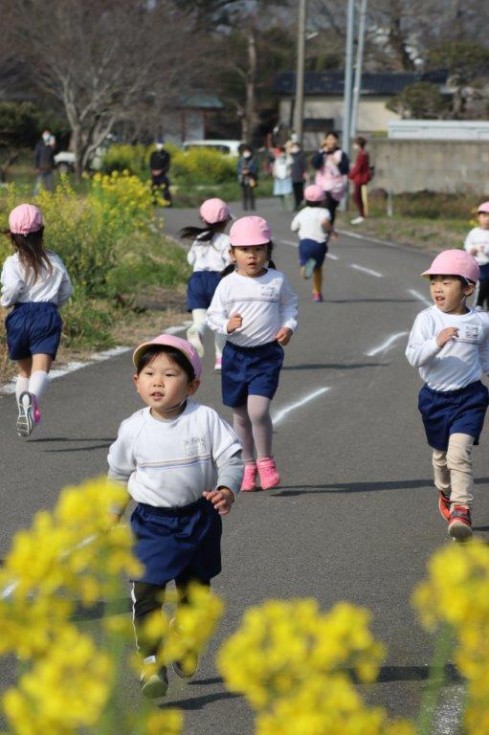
x=195, y=339
x=155, y=684
x=29, y=414
x=357, y=220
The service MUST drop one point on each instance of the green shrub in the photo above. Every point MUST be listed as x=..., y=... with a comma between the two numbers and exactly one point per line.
x=202, y=166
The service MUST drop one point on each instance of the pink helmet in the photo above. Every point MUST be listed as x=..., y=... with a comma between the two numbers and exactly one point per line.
x=169, y=340
x=249, y=231
x=214, y=210
x=24, y=219
x=483, y=208
x=314, y=193
x=454, y=263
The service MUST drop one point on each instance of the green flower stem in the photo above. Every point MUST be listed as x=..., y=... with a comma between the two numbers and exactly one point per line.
x=431, y=696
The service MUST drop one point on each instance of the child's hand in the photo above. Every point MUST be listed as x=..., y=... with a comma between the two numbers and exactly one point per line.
x=446, y=335
x=234, y=323
x=283, y=335
x=222, y=499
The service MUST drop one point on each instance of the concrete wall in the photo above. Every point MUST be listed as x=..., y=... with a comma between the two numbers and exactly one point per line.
x=439, y=166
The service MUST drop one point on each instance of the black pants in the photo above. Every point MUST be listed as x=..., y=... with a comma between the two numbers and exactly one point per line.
x=146, y=599
x=483, y=294
x=248, y=197
x=332, y=205
x=298, y=187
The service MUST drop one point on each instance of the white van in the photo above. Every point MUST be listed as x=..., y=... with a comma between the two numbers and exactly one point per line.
x=228, y=147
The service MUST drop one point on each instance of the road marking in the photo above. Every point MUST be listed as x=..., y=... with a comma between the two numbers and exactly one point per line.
x=420, y=297
x=9, y=388
x=366, y=270
x=294, y=244
x=383, y=347
x=277, y=417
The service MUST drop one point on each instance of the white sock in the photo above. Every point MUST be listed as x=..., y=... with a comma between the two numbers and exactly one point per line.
x=21, y=386
x=38, y=383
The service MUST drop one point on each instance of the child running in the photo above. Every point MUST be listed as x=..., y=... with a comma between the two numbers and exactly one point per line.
x=477, y=244
x=256, y=309
x=182, y=465
x=35, y=283
x=313, y=224
x=208, y=255
x=449, y=343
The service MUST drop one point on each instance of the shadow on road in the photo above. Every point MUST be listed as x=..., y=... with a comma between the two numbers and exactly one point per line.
x=359, y=487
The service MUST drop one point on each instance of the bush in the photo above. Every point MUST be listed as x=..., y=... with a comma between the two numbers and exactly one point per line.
x=202, y=166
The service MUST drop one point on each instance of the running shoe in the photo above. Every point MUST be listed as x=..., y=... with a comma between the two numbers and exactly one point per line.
x=269, y=476
x=154, y=684
x=248, y=484
x=218, y=364
x=195, y=339
x=308, y=268
x=460, y=523
x=29, y=414
x=444, y=505
x=317, y=297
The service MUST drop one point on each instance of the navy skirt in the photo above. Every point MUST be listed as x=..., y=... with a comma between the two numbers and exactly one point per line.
x=200, y=289
x=177, y=543
x=33, y=328
x=453, y=412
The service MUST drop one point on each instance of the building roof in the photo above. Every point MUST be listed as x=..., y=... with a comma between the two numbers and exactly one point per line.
x=332, y=83
x=197, y=102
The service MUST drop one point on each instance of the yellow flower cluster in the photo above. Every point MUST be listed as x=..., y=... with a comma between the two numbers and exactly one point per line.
x=456, y=594
x=74, y=556
x=126, y=196
x=184, y=636
x=294, y=665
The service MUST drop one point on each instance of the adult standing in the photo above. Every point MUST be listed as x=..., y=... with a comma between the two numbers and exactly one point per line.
x=159, y=164
x=332, y=166
x=247, y=171
x=299, y=173
x=282, y=176
x=44, y=162
x=360, y=175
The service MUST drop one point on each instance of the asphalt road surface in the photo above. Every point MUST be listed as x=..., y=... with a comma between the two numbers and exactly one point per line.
x=355, y=518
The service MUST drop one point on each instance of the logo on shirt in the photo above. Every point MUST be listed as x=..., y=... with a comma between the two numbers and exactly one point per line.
x=194, y=446
x=470, y=333
x=269, y=292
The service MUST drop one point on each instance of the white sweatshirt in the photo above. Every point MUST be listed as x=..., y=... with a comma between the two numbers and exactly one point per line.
x=170, y=463
x=210, y=255
x=266, y=304
x=52, y=287
x=459, y=362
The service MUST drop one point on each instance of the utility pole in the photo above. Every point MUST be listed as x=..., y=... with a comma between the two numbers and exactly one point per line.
x=357, y=85
x=299, y=74
x=347, y=100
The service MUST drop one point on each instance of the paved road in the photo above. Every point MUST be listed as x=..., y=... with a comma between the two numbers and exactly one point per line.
x=355, y=518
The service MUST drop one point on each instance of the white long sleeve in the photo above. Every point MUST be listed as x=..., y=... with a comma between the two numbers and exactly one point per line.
x=17, y=288
x=171, y=463
x=210, y=255
x=460, y=361
x=266, y=304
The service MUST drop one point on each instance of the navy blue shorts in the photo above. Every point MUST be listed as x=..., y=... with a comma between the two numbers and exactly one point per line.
x=176, y=543
x=312, y=249
x=250, y=371
x=453, y=412
x=200, y=289
x=33, y=329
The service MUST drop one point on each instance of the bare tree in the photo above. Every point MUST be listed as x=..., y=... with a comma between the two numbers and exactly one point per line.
x=105, y=60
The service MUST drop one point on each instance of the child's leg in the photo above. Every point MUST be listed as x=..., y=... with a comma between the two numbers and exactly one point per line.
x=317, y=281
x=243, y=429
x=146, y=599
x=22, y=384
x=261, y=425
x=459, y=464
x=195, y=333
x=219, y=342
x=41, y=365
x=441, y=472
